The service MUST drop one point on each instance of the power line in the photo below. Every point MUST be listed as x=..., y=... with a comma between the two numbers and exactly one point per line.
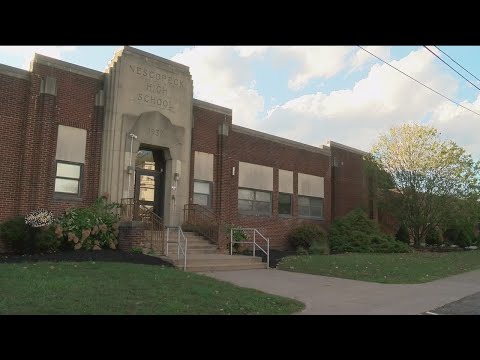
x=451, y=67
x=435, y=91
x=443, y=52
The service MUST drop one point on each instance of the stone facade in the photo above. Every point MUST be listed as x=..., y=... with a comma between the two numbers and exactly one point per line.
x=152, y=98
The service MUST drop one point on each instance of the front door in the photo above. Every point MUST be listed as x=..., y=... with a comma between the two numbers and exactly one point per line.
x=147, y=189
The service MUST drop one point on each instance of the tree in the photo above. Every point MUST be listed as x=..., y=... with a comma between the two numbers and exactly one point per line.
x=421, y=179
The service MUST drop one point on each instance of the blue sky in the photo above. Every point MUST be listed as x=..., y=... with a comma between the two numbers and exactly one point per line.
x=315, y=94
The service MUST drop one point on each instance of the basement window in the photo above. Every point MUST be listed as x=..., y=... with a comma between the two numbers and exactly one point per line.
x=68, y=177
x=202, y=193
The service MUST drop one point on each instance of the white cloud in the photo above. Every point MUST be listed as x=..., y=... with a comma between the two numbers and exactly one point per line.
x=27, y=52
x=249, y=51
x=459, y=125
x=316, y=62
x=361, y=58
x=222, y=77
x=383, y=99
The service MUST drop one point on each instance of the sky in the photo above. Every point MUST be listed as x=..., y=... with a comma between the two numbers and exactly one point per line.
x=317, y=93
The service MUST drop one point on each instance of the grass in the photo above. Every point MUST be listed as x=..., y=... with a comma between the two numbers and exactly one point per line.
x=409, y=268
x=121, y=288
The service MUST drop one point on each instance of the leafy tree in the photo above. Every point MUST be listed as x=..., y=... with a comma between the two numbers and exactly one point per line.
x=424, y=181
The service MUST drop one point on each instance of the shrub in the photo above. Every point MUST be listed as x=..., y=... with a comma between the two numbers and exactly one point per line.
x=386, y=244
x=238, y=234
x=433, y=236
x=301, y=251
x=320, y=247
x=91, y=228
x=402, y=234
x=459, y=236
x=307, y=235
x=47, y=241
x=463, y=239
x=356, y=233
x=24, y=239
x=136, y=250
x=16, y=235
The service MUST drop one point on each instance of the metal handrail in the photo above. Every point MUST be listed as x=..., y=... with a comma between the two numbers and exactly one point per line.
x=133, y=210
x=254, y=242
x=203, y=220
x=179, y=245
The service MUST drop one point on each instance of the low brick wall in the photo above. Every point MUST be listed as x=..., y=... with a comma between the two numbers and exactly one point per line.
x=131, y=235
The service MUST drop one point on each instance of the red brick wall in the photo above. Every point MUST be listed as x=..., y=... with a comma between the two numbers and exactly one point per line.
x=350, y=183
x=28, y=148
x=14, y=97
x=230, y=150
x=260, y=151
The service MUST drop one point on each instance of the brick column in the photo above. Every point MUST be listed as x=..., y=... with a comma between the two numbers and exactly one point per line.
x=29, y=163
x=42, y=183
x=131, y=234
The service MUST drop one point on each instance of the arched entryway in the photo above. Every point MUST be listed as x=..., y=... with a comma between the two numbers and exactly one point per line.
x=150, y=169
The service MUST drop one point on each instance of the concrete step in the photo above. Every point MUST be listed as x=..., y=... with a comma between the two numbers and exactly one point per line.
x=225, y=267
x=193, y=251
x=213, y=259
x=193, y=246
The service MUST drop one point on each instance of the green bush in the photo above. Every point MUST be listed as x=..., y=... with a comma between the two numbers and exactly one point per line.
x=476, y=241
x=301, y=251
x=402, y=234
x=136, y=250
x=91, y=228
x=24, y=239
x=356, y=233
x=239, y=235
x=459, y=236
x=433, y=236
x=319, y=247
x=306, y=236
x=16, y=235
x=463, y=239
x=47, y=241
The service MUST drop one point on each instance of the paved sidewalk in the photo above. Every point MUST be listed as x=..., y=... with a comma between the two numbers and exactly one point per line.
x=324, y=295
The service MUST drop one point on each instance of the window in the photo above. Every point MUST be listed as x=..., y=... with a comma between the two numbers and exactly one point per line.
x=202, y=193
x=68, y=177
x=254, y=202
x=284, y=204
x=310, y=206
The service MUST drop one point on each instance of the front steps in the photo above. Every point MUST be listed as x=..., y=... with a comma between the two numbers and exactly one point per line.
x=202, y=256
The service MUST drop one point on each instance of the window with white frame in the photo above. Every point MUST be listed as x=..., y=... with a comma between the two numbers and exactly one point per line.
x=68, y=178
x=309, y=206
x=254, y=202
x=202, y=193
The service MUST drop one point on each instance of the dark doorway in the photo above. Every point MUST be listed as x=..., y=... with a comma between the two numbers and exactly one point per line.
x=150, y=179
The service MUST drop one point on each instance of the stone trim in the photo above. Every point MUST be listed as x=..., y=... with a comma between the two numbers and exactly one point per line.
x=347, y=148
x=63, y=65
x=132, y=50
x=14, y=72
x=213, y=107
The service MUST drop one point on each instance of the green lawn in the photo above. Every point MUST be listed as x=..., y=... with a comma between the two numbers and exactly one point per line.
x=408, y=268
x=120, y=288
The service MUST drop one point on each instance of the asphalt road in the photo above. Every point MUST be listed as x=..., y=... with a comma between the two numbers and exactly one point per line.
x=469, y=305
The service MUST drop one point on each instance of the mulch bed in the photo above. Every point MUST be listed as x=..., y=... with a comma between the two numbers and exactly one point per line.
x=74, y=256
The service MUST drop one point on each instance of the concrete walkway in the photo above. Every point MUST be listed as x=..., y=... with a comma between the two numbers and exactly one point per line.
x=324, y=295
